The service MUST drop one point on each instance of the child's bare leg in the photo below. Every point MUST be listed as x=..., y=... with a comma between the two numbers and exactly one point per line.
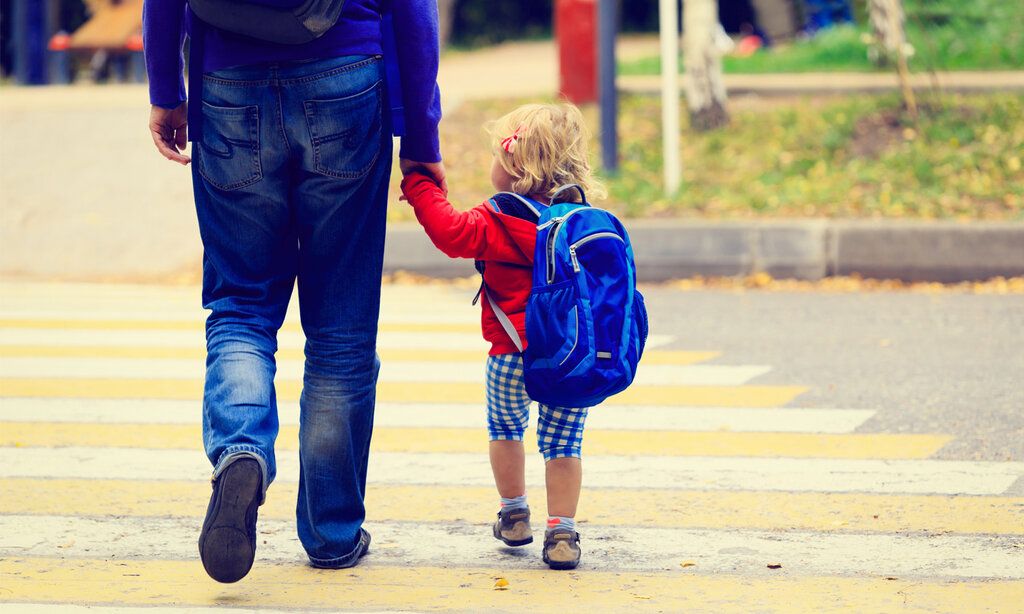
x=508, y=462
x=563, y=476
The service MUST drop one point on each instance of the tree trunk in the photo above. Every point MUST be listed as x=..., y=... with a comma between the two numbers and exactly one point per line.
x=705, y=89
x=446, y=16
x=887, y=22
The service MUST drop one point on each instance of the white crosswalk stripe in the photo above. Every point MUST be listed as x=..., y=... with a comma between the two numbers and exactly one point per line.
x=643, y=544
x=708, y=473
x=790, y=420
x=406, y=371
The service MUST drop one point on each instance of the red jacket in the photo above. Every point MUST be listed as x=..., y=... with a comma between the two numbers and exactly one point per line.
x=503, y=242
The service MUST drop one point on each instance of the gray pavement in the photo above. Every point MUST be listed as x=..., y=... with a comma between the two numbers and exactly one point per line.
x=929, y=363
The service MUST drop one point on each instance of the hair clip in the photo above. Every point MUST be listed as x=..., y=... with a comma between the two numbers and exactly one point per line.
x=509, y=143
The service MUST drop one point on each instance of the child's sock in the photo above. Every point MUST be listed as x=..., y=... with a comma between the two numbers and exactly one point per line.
x=561, y=522
x=514, y=503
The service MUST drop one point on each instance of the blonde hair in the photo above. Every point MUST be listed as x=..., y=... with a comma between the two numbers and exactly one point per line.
x=548, y=152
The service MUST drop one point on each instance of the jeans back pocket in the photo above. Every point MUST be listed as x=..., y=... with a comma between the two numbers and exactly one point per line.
x=346, y=133
x=229, y=149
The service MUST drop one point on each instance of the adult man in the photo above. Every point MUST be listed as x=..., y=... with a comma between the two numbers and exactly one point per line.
x=292, y=148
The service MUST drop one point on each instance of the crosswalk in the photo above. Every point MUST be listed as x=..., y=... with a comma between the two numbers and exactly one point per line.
x=703, y=490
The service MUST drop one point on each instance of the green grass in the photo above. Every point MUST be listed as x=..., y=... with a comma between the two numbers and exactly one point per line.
x=856, y=157
x=979, y=35
x=850, y=158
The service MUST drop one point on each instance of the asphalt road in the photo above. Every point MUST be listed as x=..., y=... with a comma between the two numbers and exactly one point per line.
x=777, y=452
x=928, y=363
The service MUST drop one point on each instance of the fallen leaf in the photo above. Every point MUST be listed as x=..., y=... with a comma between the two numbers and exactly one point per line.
x=687, y=564
x=501, y=584
x=774, y=565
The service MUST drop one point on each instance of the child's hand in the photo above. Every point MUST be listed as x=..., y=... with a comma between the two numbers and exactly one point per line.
x=434, y=170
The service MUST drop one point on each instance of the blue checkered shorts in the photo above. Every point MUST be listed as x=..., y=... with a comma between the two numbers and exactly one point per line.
x=559, y=429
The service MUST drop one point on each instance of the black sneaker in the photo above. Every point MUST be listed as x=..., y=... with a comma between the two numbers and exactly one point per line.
x=513, y=526
x=227, y=543
x=562, y=549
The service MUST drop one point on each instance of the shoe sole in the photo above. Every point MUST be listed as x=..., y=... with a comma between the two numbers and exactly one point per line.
x=224, y=545
x=512, y=542
x=561, y=565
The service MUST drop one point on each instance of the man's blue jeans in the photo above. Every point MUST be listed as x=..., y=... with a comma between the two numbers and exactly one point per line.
x=290, y=176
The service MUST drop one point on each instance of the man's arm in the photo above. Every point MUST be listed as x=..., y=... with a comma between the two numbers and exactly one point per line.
x=418, y=47
x=163, y=39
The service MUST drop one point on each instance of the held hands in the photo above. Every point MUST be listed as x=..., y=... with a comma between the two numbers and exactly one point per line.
x=169, y=129
x=434, y=170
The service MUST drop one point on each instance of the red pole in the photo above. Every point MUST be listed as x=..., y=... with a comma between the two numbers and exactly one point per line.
x=576, y=35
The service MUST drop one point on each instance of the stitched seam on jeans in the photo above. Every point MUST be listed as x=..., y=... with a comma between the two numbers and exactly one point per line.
x=332, y=72
x=236, y=83
x=251, y=113
x=280, y=123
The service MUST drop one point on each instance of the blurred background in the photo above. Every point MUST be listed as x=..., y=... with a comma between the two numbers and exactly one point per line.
x=847, y=109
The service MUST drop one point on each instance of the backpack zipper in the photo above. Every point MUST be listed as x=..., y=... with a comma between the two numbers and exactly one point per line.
x=553, y=235
x=588, y=239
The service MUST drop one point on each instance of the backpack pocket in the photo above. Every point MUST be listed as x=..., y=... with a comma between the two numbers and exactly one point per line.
x=558, y=330
x=599, y=261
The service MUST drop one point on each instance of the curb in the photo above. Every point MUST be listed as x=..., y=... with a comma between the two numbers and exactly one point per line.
x=803, y=249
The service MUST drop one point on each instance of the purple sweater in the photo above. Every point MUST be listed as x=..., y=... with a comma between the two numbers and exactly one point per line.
x=165, y=24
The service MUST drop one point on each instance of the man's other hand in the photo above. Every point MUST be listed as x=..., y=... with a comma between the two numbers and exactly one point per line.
x=169, y=129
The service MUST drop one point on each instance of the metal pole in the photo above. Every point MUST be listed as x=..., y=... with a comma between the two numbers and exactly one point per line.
x=606, y=30
x=669, y=32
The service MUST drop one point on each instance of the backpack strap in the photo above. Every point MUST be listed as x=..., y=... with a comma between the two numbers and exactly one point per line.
x=517, y=205
x=571, y=186
x=503, y=318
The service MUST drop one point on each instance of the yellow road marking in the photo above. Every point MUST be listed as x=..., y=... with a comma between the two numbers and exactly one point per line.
x=192, y=325
x=682, y=509
x=391, y=392
x=456, y=440
x=368, y=586
x=651, y=357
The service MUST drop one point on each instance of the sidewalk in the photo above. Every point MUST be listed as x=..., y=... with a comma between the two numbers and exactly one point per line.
x=85, y=197
x=531, y=69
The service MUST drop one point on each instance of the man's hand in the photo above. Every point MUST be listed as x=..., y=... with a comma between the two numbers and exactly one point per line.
x=169, y=129
x=434, y=169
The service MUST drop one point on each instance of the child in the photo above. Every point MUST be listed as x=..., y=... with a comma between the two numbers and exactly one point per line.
x=537, y=149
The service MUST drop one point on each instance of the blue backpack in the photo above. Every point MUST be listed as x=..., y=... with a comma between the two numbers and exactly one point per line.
x=585, y=321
